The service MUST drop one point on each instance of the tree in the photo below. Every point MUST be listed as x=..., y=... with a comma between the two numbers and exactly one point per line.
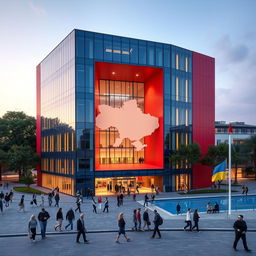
x=186, y=155
x=238, y=157
x=3, y=161
x=16, y=128
x=215, y=155
x=22, y=158
x=250, y=148
x=27, y=178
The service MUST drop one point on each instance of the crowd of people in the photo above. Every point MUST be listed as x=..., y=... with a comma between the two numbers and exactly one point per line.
x=140, y=217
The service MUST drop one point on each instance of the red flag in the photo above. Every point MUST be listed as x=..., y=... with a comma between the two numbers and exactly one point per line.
x=230, y=129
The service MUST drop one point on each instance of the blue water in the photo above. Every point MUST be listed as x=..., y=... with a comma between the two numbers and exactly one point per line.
x=237, y=203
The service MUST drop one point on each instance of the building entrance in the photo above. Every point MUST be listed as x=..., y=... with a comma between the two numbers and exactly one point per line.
x=182, y=182
x=113, y=185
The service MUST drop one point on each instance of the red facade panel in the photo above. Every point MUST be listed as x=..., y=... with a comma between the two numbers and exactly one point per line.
x=153, y=79
x=38, y=122
x=203, y=113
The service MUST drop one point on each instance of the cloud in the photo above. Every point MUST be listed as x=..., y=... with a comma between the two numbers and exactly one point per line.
x=37, y=9
x=236, y=80
x=229, y=53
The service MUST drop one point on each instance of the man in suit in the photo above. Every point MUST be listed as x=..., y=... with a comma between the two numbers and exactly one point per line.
x=81, y=229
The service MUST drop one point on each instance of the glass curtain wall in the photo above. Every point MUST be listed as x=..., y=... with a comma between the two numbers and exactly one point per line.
x=58, y=115
x=114, y=94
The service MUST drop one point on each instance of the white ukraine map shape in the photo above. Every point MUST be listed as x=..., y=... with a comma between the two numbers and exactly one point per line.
x=130, y=122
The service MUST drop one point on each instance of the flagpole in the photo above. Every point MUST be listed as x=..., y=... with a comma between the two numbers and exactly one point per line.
x=229, y=174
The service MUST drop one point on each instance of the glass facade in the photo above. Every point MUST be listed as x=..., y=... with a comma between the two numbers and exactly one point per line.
x=58, y=116
x=68, y=107
x=114, y=94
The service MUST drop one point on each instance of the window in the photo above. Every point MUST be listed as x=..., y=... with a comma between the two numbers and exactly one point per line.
x=177, y=116
x=151, y=55
x=186, y=117
x=177, y=89
x=89, y=48
x=186, y=90
x=142, y=53
x=134, y=53
x=159, y=56
x=98, y=48
x=177, y=61
x=186, y=64
x=80, y=46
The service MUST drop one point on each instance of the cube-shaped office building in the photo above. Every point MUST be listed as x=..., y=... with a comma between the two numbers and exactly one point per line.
x=111, y=110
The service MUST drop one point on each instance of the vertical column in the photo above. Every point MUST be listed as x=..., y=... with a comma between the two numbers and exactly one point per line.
x=38, y=122
x=203, y=113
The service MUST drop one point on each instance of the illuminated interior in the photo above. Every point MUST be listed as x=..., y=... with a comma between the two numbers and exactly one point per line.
x=114, y=85
x=182, y=182
x=109, y=186
x=114, y=93
x=65, y=184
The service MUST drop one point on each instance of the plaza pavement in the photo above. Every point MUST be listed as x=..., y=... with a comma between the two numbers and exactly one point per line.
x=203, y=243
x=172, y=243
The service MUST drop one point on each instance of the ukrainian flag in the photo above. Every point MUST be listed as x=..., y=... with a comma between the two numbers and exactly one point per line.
x=219, y=172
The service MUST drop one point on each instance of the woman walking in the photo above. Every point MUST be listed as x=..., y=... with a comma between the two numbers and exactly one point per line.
x=21, y=204
x=196, y=220
x=59, y=218
x=121, y=225
x=32, y=228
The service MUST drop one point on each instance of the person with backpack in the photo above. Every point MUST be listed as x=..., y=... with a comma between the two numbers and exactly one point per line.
x=158, y=221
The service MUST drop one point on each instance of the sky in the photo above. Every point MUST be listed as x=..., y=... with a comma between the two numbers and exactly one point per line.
x=223, y=29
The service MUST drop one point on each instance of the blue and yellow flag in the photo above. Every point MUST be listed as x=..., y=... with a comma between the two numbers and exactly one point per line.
x=219, y=172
